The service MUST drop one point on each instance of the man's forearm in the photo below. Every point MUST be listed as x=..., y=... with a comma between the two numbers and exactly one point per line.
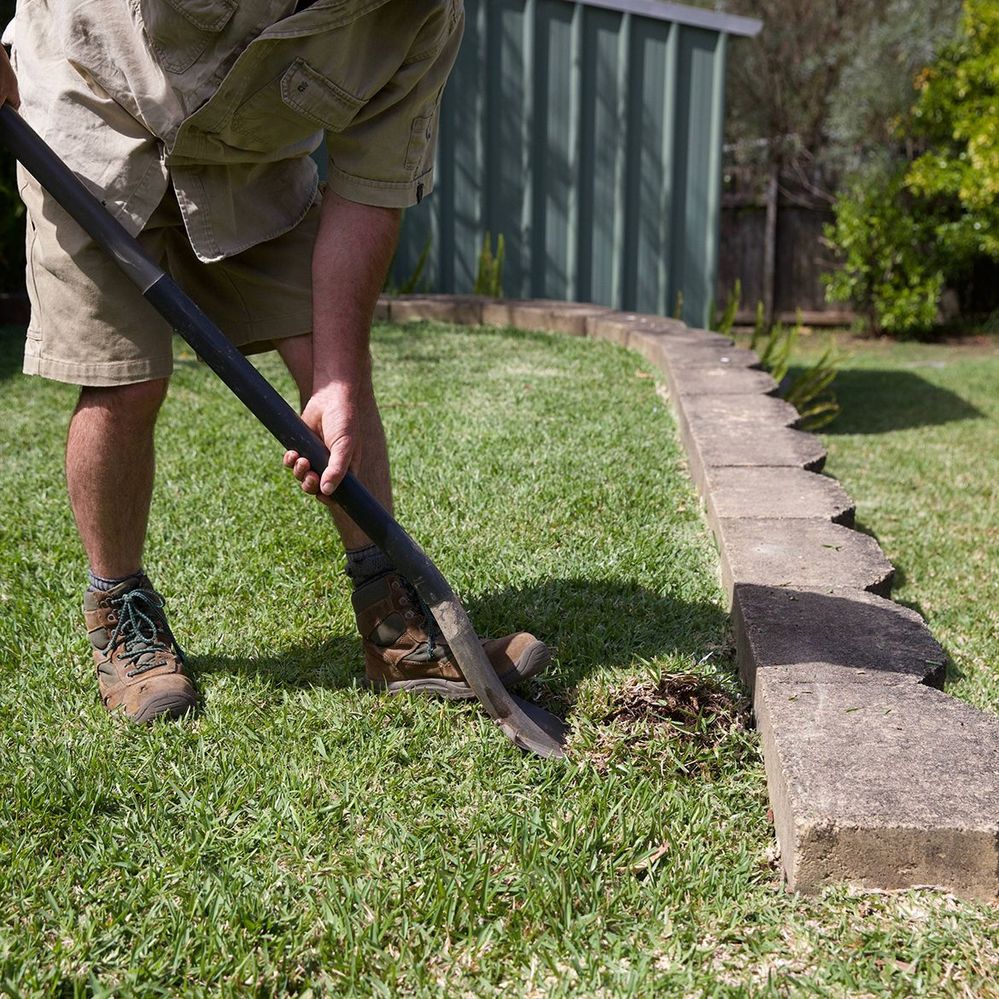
x=352, y=254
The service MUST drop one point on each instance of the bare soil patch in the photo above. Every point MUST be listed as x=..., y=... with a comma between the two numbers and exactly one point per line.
x=692, y=709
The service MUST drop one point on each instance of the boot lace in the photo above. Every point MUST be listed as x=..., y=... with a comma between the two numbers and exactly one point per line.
x=140, y=623
x=435, y=636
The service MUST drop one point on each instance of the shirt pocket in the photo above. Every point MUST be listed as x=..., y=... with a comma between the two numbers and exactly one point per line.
x=179, y=31
x=291, y=107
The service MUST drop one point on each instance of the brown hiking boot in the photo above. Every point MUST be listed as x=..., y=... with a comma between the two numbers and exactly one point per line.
x=404, y=651
x=140, y=668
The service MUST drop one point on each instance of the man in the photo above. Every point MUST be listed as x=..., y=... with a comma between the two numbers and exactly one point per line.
x=193, y=121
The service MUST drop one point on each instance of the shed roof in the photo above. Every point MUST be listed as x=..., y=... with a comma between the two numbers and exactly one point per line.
x=698, y=17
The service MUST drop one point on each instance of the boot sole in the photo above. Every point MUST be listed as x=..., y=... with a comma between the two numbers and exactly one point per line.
x=532, y=662
x=165, y=706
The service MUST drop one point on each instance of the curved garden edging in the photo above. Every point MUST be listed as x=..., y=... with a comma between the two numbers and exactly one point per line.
x=875, y=775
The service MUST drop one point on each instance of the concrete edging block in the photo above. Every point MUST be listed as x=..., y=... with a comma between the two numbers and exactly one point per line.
x=713, y=445
x=700, y=352
x=775, y=494
x=801, y=553
x=462, y=310
x=541, y=315
x=750, y=412
x=650, y=346
x=617, y=327
x=497, y=313
x=725, y=380
x=832, y=635
x=881, y=786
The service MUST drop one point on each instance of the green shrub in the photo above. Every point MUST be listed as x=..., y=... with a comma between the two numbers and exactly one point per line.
x=415, y=282
x=956, y=117
x=891, y=270
x=723, y=323
x=774, y=345
x=911, y=227
x=810, y=392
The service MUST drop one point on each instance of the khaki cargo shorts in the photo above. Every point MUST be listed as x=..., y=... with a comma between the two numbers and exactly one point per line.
x=91, y=326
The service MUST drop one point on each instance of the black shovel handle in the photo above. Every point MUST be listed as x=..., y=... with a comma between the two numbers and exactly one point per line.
x=535, y=731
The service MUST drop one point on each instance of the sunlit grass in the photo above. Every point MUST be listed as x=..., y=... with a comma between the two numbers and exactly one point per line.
x=300, y=833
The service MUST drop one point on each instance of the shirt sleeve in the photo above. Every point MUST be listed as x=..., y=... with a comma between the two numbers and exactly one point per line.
x=385, y=156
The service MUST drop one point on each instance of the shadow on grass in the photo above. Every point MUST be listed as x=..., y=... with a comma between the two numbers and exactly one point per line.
x=331, y=664
x=880, y=401
x=954, y=672
x=11, y=351
x=592, y=625
x=899, y=580
x=598, y=626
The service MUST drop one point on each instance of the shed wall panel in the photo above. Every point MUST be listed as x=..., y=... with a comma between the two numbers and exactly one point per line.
x=591, y=139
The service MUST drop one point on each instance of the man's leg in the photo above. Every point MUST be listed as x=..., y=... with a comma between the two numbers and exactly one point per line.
x=109, y=472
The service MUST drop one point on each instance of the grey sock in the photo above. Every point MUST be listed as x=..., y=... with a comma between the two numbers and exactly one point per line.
x=96, y=582
x=364, y=564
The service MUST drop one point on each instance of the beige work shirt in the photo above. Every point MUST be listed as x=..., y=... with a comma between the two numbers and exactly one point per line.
x=227, y=99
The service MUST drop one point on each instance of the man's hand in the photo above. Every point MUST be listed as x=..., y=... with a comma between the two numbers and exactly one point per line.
x=8, y=82
x=334, y=414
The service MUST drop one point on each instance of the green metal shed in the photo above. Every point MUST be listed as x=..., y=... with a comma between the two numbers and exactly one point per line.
x=588, y=133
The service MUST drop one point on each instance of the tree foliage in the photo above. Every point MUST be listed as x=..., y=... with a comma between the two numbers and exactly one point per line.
x=824, y=87
x=875, y=93
x=957, y=119
x=890, y=271
x=909, y=227
x=781, y=83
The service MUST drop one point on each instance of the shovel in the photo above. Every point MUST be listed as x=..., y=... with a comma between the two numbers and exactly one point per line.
x=526, y=725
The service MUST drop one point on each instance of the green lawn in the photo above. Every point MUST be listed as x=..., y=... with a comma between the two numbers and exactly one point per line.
x=302, y=834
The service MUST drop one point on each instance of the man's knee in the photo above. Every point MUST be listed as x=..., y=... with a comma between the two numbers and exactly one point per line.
x=139, y=402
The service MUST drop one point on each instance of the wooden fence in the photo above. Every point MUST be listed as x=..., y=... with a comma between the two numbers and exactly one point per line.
x=772, y=243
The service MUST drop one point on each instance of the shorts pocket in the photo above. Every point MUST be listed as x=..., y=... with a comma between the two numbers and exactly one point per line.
x=179, y=31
